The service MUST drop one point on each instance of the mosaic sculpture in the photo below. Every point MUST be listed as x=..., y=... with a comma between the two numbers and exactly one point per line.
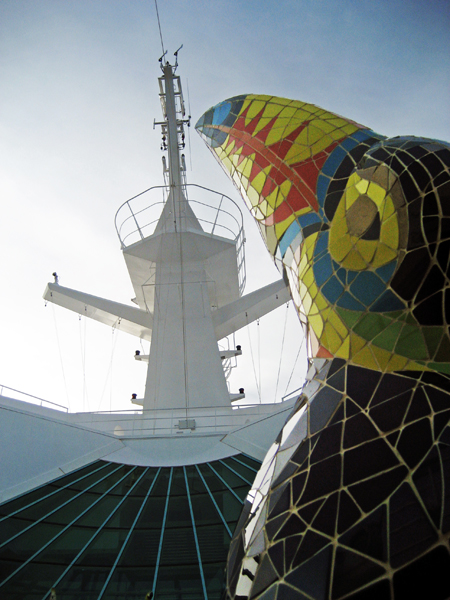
x=353, y=499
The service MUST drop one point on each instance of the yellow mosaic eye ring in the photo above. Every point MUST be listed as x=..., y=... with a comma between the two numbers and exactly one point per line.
x=370, y=226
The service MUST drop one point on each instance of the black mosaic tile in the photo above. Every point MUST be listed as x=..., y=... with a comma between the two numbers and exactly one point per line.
x=433, y=282
x=441, y=179
x=419, y=174
x=339, y=415
x=428, y=574
x=443, y=255
x=419, y=406
x=440, y=421
x=269, y=594
x=444, y=155
x=274, y=525
x=444, y=452
x=366, y=460
x=433, y=165
x=276, y=553
x=411, y=532
x=428, y=482
x=429, y=312
x=391, y=386
x=291, y=545
x=389, y=415
x=308, y=512
x=351, y=408
x=351, y=571
x=311, y=544
x=361, y=384
x=322, y=408
x=349, y=513
x=358, y=429
x=285, y=592
x=370, y=493
x=412, y=269
x=440, y=381
x=393, y=437
x=444, y=438
x=337, y=364
x=265, y=575
x=298, y=484
x=325, y=520
x=430, y=204
x=337, y=381
x=408, y=185
x=381, y=590
x=280, y=500
x=439, y=400
x=369, y=536
x=417, y=151
x=289, y=470
x=292, y=526
x=324, y=478
x=302, y=453
x=312, y=576
x=415, y=441
x=329, y=443
x=444, y=194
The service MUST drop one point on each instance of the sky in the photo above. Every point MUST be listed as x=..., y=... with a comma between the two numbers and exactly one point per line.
x=78, y=97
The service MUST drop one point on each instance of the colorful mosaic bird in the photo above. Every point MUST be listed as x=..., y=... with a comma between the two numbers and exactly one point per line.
x=361, y=223
x=353, y=498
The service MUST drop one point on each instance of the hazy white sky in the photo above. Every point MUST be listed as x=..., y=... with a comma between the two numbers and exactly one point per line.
x=78, y=97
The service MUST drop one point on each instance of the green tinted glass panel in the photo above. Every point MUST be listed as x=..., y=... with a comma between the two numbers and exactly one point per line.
x=78, y=539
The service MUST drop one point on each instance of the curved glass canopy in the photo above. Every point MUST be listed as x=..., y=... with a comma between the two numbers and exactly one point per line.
x=117, y=531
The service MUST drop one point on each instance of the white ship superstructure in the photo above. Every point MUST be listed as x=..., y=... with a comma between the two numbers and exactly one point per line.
x=186, y=449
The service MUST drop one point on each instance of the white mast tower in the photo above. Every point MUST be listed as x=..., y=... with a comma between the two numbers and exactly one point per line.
x=187, y=280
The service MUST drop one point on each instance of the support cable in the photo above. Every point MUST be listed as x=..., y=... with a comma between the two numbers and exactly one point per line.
x=281, y=351
x=83, y=358
x=60, y=357
x=159, y=27
x=253, y=360
x=109, y=372
x=295, y=364
x=258, y=330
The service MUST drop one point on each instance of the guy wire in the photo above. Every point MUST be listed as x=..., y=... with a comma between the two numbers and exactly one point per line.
x=159, y=26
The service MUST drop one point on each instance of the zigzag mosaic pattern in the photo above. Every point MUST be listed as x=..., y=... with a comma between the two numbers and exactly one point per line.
x=361, y=224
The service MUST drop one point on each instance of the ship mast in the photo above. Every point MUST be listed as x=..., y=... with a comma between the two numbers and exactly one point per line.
x=172, y=129
x=187, y=280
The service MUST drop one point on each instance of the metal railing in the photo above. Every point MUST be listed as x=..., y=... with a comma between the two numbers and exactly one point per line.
x=32, y=399
x=218, y=214
x=170, y=421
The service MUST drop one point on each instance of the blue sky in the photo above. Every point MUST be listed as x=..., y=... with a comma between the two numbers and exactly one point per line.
x=77, y=103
